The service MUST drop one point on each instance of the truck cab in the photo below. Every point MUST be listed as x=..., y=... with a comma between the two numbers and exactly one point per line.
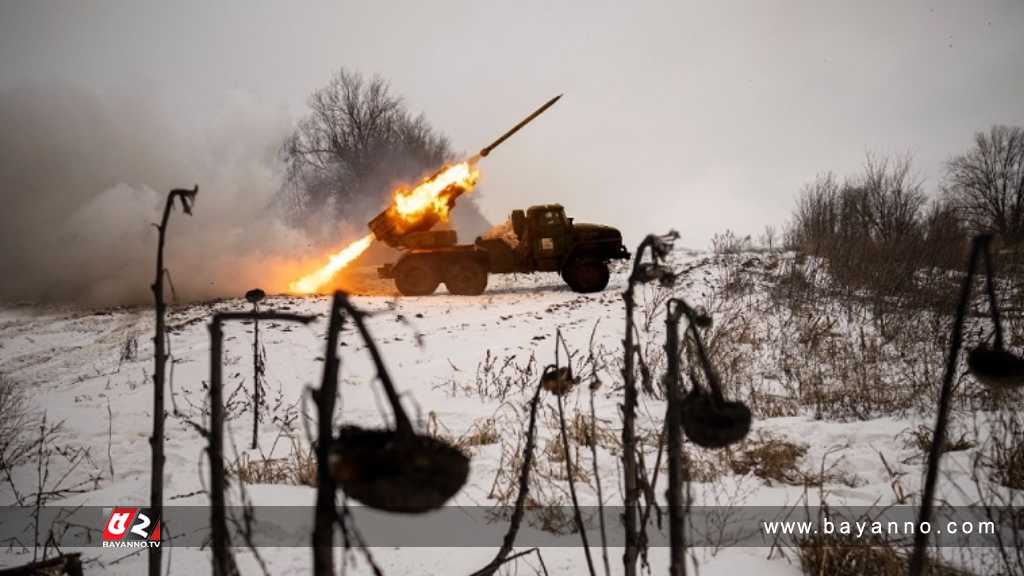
x=545, y=235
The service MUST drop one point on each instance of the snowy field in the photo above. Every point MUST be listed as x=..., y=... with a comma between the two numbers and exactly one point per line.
x=457, y=362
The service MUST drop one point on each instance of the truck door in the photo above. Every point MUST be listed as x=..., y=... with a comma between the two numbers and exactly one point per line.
x=549, y=238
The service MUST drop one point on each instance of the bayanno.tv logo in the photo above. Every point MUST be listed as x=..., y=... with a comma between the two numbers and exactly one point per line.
x=131, y=528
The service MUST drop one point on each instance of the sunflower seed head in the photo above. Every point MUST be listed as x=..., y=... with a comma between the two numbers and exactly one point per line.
x=712, y=422
x=558, y=381
x=668, y=279
x=187, y=198
x=385, y=470
x=701, y=317
x=255, y=295
x=661, y=246
x=996, y=367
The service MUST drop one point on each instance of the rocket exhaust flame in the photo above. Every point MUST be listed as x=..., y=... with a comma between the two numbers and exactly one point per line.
x=311, y=282
x=413, y=209
x=435, y=194
x=420, y=206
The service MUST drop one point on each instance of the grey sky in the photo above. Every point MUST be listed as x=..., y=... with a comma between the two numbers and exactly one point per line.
x=698, y=116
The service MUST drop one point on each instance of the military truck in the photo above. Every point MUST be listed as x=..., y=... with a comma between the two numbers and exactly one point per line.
x=540, y=239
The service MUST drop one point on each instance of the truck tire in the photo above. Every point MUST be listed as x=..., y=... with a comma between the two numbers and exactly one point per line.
x=586, y=275
x=416, y=277
x=466, y=277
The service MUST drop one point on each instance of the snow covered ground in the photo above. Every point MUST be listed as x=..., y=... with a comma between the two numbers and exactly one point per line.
x=455, y=361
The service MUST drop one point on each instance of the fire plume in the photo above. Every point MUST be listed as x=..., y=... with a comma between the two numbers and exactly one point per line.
x=412, y=208
x=312, y=282
x=435, y=194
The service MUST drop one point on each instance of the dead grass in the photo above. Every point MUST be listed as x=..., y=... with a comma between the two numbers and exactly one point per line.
x=920, y=438
x=547, y=504
x=298, y=468
x=703, y=466
x=766, y=405
x=998, y=474
x=771, y=458
x=482, y=433
x=1003, y=454
x=551, y=463
x=15, y=422
x=839, y=555
x=580, y=433
x=552, y=516
x=1008, y=465
x=847, y=555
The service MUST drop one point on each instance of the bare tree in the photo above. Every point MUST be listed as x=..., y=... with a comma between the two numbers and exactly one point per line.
x=987, y=183
x=887, y=201
x=883, y=205
x=357, y=140
x=815, y=219
x=877, y=230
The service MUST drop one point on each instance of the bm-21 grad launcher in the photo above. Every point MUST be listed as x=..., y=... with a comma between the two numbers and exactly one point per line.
x=403, y=234
x=541, y=239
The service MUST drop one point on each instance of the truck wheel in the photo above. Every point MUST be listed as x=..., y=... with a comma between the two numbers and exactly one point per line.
x=466, y=277
x=586, y=275
x=415, y=277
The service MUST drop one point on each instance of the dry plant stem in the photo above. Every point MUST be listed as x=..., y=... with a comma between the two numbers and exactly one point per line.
x=524, y=488
x=709, y=371
x=543, y=566
x=597, y=484
x=326, y=511
x=350, y=533
x=110, y=438
x=577, y=515
x=223, y=562
x=632, y=494
x=572, y=487
x=651, y=503
x=255, y=376
x=245, y=526
x=918, y=560
x=402, y=424
x=993, y=304
x=156, y=440
x=41, y=481
x=676, y=513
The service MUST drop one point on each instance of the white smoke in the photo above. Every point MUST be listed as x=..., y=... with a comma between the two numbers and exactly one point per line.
x=84, y=176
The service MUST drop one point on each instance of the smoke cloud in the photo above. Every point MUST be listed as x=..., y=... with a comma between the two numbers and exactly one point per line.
x=84, y=177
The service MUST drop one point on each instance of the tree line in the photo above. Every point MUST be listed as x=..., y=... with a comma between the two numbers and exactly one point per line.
x=879, y=228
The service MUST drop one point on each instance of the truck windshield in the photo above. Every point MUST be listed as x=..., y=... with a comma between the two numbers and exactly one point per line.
x=553, y=217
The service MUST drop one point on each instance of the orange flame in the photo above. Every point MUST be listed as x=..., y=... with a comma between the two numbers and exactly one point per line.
x=433, y=197
x=313, y=281
x=433, y=194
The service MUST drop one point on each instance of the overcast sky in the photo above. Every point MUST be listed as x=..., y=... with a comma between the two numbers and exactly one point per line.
x=698, y=116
